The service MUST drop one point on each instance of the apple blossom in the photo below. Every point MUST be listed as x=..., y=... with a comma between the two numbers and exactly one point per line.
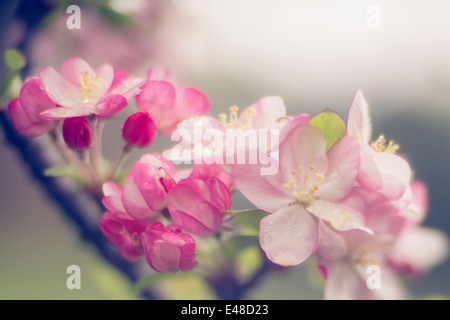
x=146, y=187
x=79, y=90
x=307, y=188
x=380, y=169
x=198, y=202
x=170, y=105
x=168, y=249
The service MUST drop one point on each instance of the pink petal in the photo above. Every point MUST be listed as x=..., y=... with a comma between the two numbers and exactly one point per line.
x=359, y=124
x=268, y=111
x=340, y=216
x=134, y=202
x=193, y=102
x=64, y=113
x=368, y=175
x=266, y=192
x=113, y=197
x=23, y=123
x=343, y=164
x=110, y=105
x=106, y=73
x=128, y=88
x=344, y=282
x=331, y=246
x=158, y=97
x=419, y=249
x=71, y=69
x=395, y=172
x=60, y=90
x=288, y=236
x=303, y=147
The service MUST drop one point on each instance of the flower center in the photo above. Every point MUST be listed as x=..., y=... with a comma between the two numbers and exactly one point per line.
x=89, y=86
x=379, y=145
x=232, y=121
x=303, y=184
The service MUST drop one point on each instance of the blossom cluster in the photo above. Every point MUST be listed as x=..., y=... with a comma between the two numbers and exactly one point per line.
x=337, y=192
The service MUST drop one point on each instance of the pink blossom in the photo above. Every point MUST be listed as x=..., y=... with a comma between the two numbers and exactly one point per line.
x=79, y=90
x=168, y=249
x=146, y=187
x=140, y=129
x=307, y=188
x=345, y=260
x=124, y=232
x=169, y=104
x=25, y=109
x=198, y=202
x=118, y=227
x=216, y=140
x=381, y=169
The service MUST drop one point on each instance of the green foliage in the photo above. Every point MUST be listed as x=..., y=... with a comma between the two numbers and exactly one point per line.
x=332, y=126
x=12, y=83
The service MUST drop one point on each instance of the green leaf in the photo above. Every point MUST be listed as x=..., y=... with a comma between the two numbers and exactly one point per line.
x=247, y=262
x=332, y=126
x=11, y=85
x=14, y=60
x=247, y=222
x=60, y=171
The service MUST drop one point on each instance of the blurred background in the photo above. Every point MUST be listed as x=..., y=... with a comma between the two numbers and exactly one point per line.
x=315, y=54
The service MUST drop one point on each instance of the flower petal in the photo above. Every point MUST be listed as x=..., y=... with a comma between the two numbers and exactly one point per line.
x=343, y=164
x=395, y=172
x=64, y=113
x=266, y=192
x=288, y=236
x=359, y=124
x=341, y=217
x=110, y=105
x=60, y=90
x=71, y=69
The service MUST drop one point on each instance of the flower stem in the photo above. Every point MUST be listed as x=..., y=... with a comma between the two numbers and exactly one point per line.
x=97, y=158
x=70, y=156
x=119, y=162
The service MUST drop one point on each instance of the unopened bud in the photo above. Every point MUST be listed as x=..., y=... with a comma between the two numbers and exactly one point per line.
x=77, y=133
x=140, y=129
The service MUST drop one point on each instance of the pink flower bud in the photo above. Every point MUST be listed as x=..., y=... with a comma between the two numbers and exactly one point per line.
x=25, y=109
x=77, y=133
x=167, y=249
x=140, y=129
x=197, y=205
x=124, y=232
x=146, y=186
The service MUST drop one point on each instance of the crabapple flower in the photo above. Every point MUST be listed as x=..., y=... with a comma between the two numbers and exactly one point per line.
x=168, y=249
x=307, y=188
x=118, y=227
x=79, y=90
x=171, y=105
x=25, y=109
x=77, y=133
x=345, y=261
x=222, y=140
x=140, y=129
x=198, y=202
x=146, y=186
x=124, y=232
x=380, y=169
